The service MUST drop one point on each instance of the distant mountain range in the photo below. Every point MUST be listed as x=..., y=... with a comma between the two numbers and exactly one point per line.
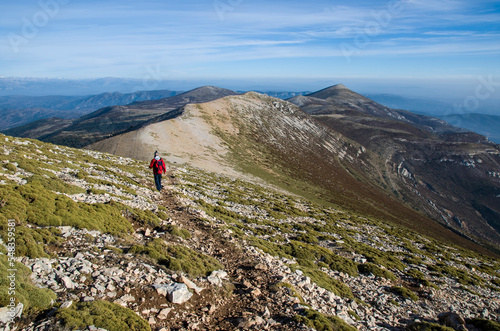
x=20, y=110
x=486, y=124
x=111, y=120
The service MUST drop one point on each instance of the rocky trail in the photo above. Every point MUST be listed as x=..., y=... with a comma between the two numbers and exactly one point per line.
x=247, y=300
x=97, y=248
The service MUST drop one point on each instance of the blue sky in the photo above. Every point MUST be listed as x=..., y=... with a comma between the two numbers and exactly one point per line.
x=405, y=44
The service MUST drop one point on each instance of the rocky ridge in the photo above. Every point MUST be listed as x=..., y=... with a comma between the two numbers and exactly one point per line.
x=273, y=261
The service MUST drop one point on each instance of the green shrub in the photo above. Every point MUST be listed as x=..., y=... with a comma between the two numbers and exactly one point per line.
x=143, y=217
x=420, y=277
x=178, y=258
x=55, y=184
x=102, y=314
x=370, y=268
x=425, y=326
x=33, y=242
x=320, y=322
x=328, y=283
x=176, y=231
x=484, y=324
x=404, y=292
x=35, y=204
x=32, y=297
x=10, y=167
x=307, y=238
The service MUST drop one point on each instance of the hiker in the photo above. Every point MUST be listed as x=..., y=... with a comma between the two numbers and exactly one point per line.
x=158, y=166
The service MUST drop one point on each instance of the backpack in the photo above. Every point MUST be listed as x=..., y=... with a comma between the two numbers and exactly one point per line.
x=159, y=165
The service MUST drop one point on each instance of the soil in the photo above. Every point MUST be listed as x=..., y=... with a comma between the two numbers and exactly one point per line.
x=236, y=302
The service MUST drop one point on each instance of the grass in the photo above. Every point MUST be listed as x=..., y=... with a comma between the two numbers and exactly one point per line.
x=370, y=268
x=178, y=258
x=404, y=292
x=24, y=291
x=315, y=320
x=101, y=314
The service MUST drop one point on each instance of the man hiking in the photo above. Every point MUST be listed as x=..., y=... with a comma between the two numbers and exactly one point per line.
x=158, y=166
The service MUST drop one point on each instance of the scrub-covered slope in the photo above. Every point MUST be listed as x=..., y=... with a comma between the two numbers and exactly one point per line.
x=212, y=252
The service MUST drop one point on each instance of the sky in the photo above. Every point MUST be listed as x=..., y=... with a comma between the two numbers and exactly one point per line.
x=441, y=47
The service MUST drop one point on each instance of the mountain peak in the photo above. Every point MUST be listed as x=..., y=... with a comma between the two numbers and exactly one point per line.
x=334, y=91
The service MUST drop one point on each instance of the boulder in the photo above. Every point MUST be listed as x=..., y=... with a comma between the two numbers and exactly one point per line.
x=453, y=320
x=7, y=314
x=191, y=285
x=67, y=282
x=175, y=292
x=163, y=314
x=216, y=277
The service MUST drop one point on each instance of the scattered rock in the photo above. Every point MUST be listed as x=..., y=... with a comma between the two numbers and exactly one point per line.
x=163, y=314
x=191, y=285
x=216, y=277
x=175, y=292
x=8, y=314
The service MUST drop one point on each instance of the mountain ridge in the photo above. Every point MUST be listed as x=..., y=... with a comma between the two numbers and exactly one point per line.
x=358, y=140
x=108, y=121
x=213, y=251
x=276, y=141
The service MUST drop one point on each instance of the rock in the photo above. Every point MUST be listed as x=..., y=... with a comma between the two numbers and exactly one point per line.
x=261, y=266
x=127, y=298
x=67, y=282
x=163, y=314
x=175, y=292
x=7, y=314
x=347, y=319
x=256, y=293
x=250, y=322
x=66, y=304
x=191, y=285
x=453, y=320
x=216, y=277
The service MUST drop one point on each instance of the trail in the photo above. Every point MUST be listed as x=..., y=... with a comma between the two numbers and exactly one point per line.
x=248, y=298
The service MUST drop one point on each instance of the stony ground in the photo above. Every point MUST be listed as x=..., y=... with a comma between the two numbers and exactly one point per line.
x=284, y=263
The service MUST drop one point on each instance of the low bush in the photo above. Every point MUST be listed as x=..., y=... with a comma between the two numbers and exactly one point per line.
x=178, y=258
x=101, y=314
x=404, y=292
x=32, y=297
x=370, y=268
x=316, y=320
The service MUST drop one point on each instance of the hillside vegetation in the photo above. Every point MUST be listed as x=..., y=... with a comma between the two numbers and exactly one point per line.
x=96, y=245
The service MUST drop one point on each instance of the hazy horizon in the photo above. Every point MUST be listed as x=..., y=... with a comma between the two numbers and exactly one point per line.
x=445, y=49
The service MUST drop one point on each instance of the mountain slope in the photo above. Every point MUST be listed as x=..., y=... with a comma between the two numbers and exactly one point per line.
x=276, y=141
x=110, y=121
x=214, y=252
x=342, y=100
x=484, y=124
x=20, y=110
x=448, y=174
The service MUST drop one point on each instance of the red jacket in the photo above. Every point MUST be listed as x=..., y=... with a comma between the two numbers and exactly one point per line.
x=158, y=167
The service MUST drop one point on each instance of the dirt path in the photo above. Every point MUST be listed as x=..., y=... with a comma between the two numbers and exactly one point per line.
x=247, y=300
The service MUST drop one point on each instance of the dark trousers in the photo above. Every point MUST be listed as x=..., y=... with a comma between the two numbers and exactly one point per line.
x=158, y=181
